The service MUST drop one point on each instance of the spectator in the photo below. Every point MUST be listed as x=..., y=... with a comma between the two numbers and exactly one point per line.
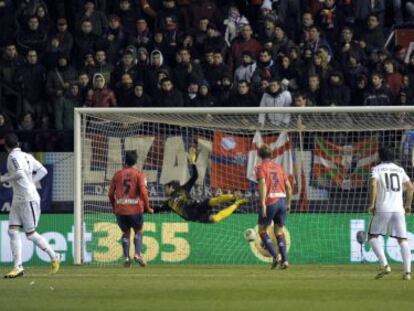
x=168, y=9
x=200, y=33
x=156, y=65
x=336, y=93
x=115, y=39
x=392, y=78
x=31, y=78
x=372, y=37
x=204, y=98
x=307, y=23
x=58, y=82
x=7, y=21
x=64, y=36
x=301, y=100
x=96, y=17
x=358, y=93
x=234, y=23
x=168, y=96
x=191, y=94
x=101, y=65
x=245, y=42
x=366, y=8
x=140, y=98
x=266, y=68
x=26, y=122
x=86, y=41
x=243, y=97
x=246, y=70
x=214, y=40
x=204, y=8
x=282, y=44
x=125, y=91
x=267, y=31
x=225, y=90
x=348, y=46
x=275, y=96
x=330, y=20
x=32, y=37
x=142, y=36
x=378, y=94
x=314, y=41
x=313, y=91
x=185, y=70
x=64, y=116
x=45, y=22
x=102, y=96
x=10, y=61
x=84, y=85
x=126, y=65
x=52, y=53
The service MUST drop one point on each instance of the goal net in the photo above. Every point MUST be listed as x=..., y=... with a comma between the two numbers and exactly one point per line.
x=326, y=152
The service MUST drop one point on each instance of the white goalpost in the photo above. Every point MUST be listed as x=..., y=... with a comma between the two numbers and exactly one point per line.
x=327, y=153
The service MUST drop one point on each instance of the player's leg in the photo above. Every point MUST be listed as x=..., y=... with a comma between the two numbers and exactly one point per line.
x=30, y=219
x=220, y=199
x=398, y=229
x=279, y=221
x=377, y=227
x=15, y=243
x=138, y=230
x=264, y=223
x=226, y=212
x=124, y=225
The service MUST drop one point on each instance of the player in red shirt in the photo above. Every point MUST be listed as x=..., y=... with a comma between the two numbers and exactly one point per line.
x=275, y=194
x=129, y=197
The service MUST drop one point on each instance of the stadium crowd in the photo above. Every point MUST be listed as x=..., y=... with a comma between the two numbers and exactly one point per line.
x=57, y=55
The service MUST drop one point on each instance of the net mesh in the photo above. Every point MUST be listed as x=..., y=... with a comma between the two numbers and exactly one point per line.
x=327, y=156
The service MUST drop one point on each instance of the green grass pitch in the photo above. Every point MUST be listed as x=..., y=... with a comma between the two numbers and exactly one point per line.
x=172, y=287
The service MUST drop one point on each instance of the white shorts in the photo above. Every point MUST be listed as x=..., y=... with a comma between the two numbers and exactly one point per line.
x=25, y=214
x=389, y=223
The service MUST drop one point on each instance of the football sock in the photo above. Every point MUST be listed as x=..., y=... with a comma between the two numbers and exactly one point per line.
x=282, y=246
x=406, y=255
x=379, y=251
x=41, y=242
x=267, y=241
x=138, y=243
x=224, y=213
x=214, y=201
x=16, y=247
x=125, y=246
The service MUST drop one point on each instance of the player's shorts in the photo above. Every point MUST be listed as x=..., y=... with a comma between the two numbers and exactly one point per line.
x=199, y=212
x=25, y=215
x=275, y=212
x=126, y=222
x=391, y=223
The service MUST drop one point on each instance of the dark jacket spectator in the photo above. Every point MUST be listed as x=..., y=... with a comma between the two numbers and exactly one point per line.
x=64, y=117
x=373, y=36
x=7, y=22
x=243, y=97
x=204, y=8
x=10, y=61
x=142, y=36
x=140, y=98
x=204, y=98
x=378, y=94
x=32, y=37
x=185, y=70
x=115, y=39
x=96, y=17
x=336, y=93
x=125, y=91
x=31, y=78
x=126, y=65
x=64, y=36
x=102, y=66
x=168, y=96
x=59, y=78
x=86, y=41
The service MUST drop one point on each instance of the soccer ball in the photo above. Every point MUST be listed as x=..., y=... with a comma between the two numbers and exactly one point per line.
x=250, y=235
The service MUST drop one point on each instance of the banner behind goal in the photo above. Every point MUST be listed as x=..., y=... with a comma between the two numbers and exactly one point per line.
x=326, y=152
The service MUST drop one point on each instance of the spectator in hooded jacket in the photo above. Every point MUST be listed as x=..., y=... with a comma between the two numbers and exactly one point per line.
x=275, y=96
x=336, y=93
x=168, y=95
x=102, y=96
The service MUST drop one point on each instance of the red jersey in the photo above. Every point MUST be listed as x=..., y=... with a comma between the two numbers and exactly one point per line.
x=275, y=179
x=128, y=192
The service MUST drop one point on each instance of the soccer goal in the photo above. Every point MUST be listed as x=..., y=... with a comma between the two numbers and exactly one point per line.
x=326, y=151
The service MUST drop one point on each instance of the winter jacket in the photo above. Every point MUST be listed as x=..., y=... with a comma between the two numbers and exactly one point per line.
x=280, y=99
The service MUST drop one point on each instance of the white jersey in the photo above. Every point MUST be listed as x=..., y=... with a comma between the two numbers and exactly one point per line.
x=24, y=188
x=391, y=179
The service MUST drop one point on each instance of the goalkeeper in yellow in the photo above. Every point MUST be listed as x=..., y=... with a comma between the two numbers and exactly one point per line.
x=180, y=201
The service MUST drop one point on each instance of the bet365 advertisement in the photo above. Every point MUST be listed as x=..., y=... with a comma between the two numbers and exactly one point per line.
x=311, y=238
